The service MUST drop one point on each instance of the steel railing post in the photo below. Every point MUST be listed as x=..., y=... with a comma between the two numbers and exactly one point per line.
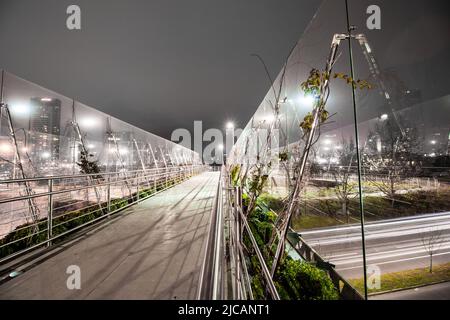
x=108, y=195
x=165, y=174
x=50, y=212
x=137, y=187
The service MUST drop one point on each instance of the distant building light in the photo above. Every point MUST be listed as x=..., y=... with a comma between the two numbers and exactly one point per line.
x=384, y=117
x=433, y=141
x=45, y=155
x=46, y=99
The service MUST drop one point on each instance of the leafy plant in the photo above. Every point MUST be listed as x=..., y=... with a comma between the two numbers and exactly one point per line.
x=87, y=165
x=234, y=173
x=283, y=156
x=304, y=281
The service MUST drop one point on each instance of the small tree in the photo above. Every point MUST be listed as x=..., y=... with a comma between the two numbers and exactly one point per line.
x=87, y=165
x=341, y=174
x=431, y=241
x=392, y=154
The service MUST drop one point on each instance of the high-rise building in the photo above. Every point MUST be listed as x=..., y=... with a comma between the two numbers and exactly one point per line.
x=44, y=128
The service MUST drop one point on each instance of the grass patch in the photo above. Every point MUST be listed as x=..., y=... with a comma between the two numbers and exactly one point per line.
x=407, y=279
x=309, y=221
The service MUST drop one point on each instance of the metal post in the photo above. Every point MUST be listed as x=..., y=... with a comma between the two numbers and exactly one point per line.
x=137, y=187
x=108, y=194
x=50, y=212
x=358, y=154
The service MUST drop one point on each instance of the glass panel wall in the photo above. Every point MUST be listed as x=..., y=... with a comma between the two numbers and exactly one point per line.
x=402, y=119
x=45, y=134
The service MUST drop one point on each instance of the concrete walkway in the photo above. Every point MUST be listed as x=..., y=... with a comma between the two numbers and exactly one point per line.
x=154, y=251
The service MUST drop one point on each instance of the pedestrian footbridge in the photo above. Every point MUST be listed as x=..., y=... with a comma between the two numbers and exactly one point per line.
x=151, y=250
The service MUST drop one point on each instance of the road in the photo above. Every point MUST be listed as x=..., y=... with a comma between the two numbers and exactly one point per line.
x=391, y=245
x=153, y=250
x=439, y=291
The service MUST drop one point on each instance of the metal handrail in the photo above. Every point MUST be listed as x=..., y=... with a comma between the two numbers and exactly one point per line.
x=210, y=274
x=52, y=178
x=76, y=176
x=270, y=284
x=175, y=174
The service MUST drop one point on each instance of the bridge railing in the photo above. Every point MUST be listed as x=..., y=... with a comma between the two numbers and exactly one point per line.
x=60, y=205
x=225, y=273
x=233, y=255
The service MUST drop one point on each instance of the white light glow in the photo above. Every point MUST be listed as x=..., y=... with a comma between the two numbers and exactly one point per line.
x=88, y=122
x=384, y=117
x=20, y=109
x=230, y=125
x=334, y=160
x=433, y=141
x=269, y=118
x=220, y=147
x=5, y=148
x=321, y=160
x=307, y=100
x=46, y=99
x=45, y=155
x=327, y=141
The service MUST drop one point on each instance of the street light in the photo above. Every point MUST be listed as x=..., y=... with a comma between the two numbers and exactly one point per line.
x=230, y=125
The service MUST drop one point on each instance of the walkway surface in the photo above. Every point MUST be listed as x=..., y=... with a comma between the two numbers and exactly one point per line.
x=155, y=250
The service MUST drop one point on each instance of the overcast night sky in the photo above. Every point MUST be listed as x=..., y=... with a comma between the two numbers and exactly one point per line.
x=160, y=64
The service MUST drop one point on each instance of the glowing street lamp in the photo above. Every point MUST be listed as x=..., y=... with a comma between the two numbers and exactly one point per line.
x=230, y=125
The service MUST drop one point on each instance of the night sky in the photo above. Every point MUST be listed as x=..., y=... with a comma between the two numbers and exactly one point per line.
x=157, y=64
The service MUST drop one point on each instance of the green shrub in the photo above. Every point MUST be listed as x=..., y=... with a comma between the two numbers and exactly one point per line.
x=295, y=280
x=304, y=281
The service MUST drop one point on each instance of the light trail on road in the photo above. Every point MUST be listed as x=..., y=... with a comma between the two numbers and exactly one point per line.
x=392, y=245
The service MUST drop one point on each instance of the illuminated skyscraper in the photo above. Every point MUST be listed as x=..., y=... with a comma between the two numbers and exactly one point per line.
x=44, y=128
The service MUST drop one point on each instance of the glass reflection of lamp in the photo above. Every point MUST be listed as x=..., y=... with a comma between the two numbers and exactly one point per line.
x=220, y=148
x=229, y=138
x=307, y=100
